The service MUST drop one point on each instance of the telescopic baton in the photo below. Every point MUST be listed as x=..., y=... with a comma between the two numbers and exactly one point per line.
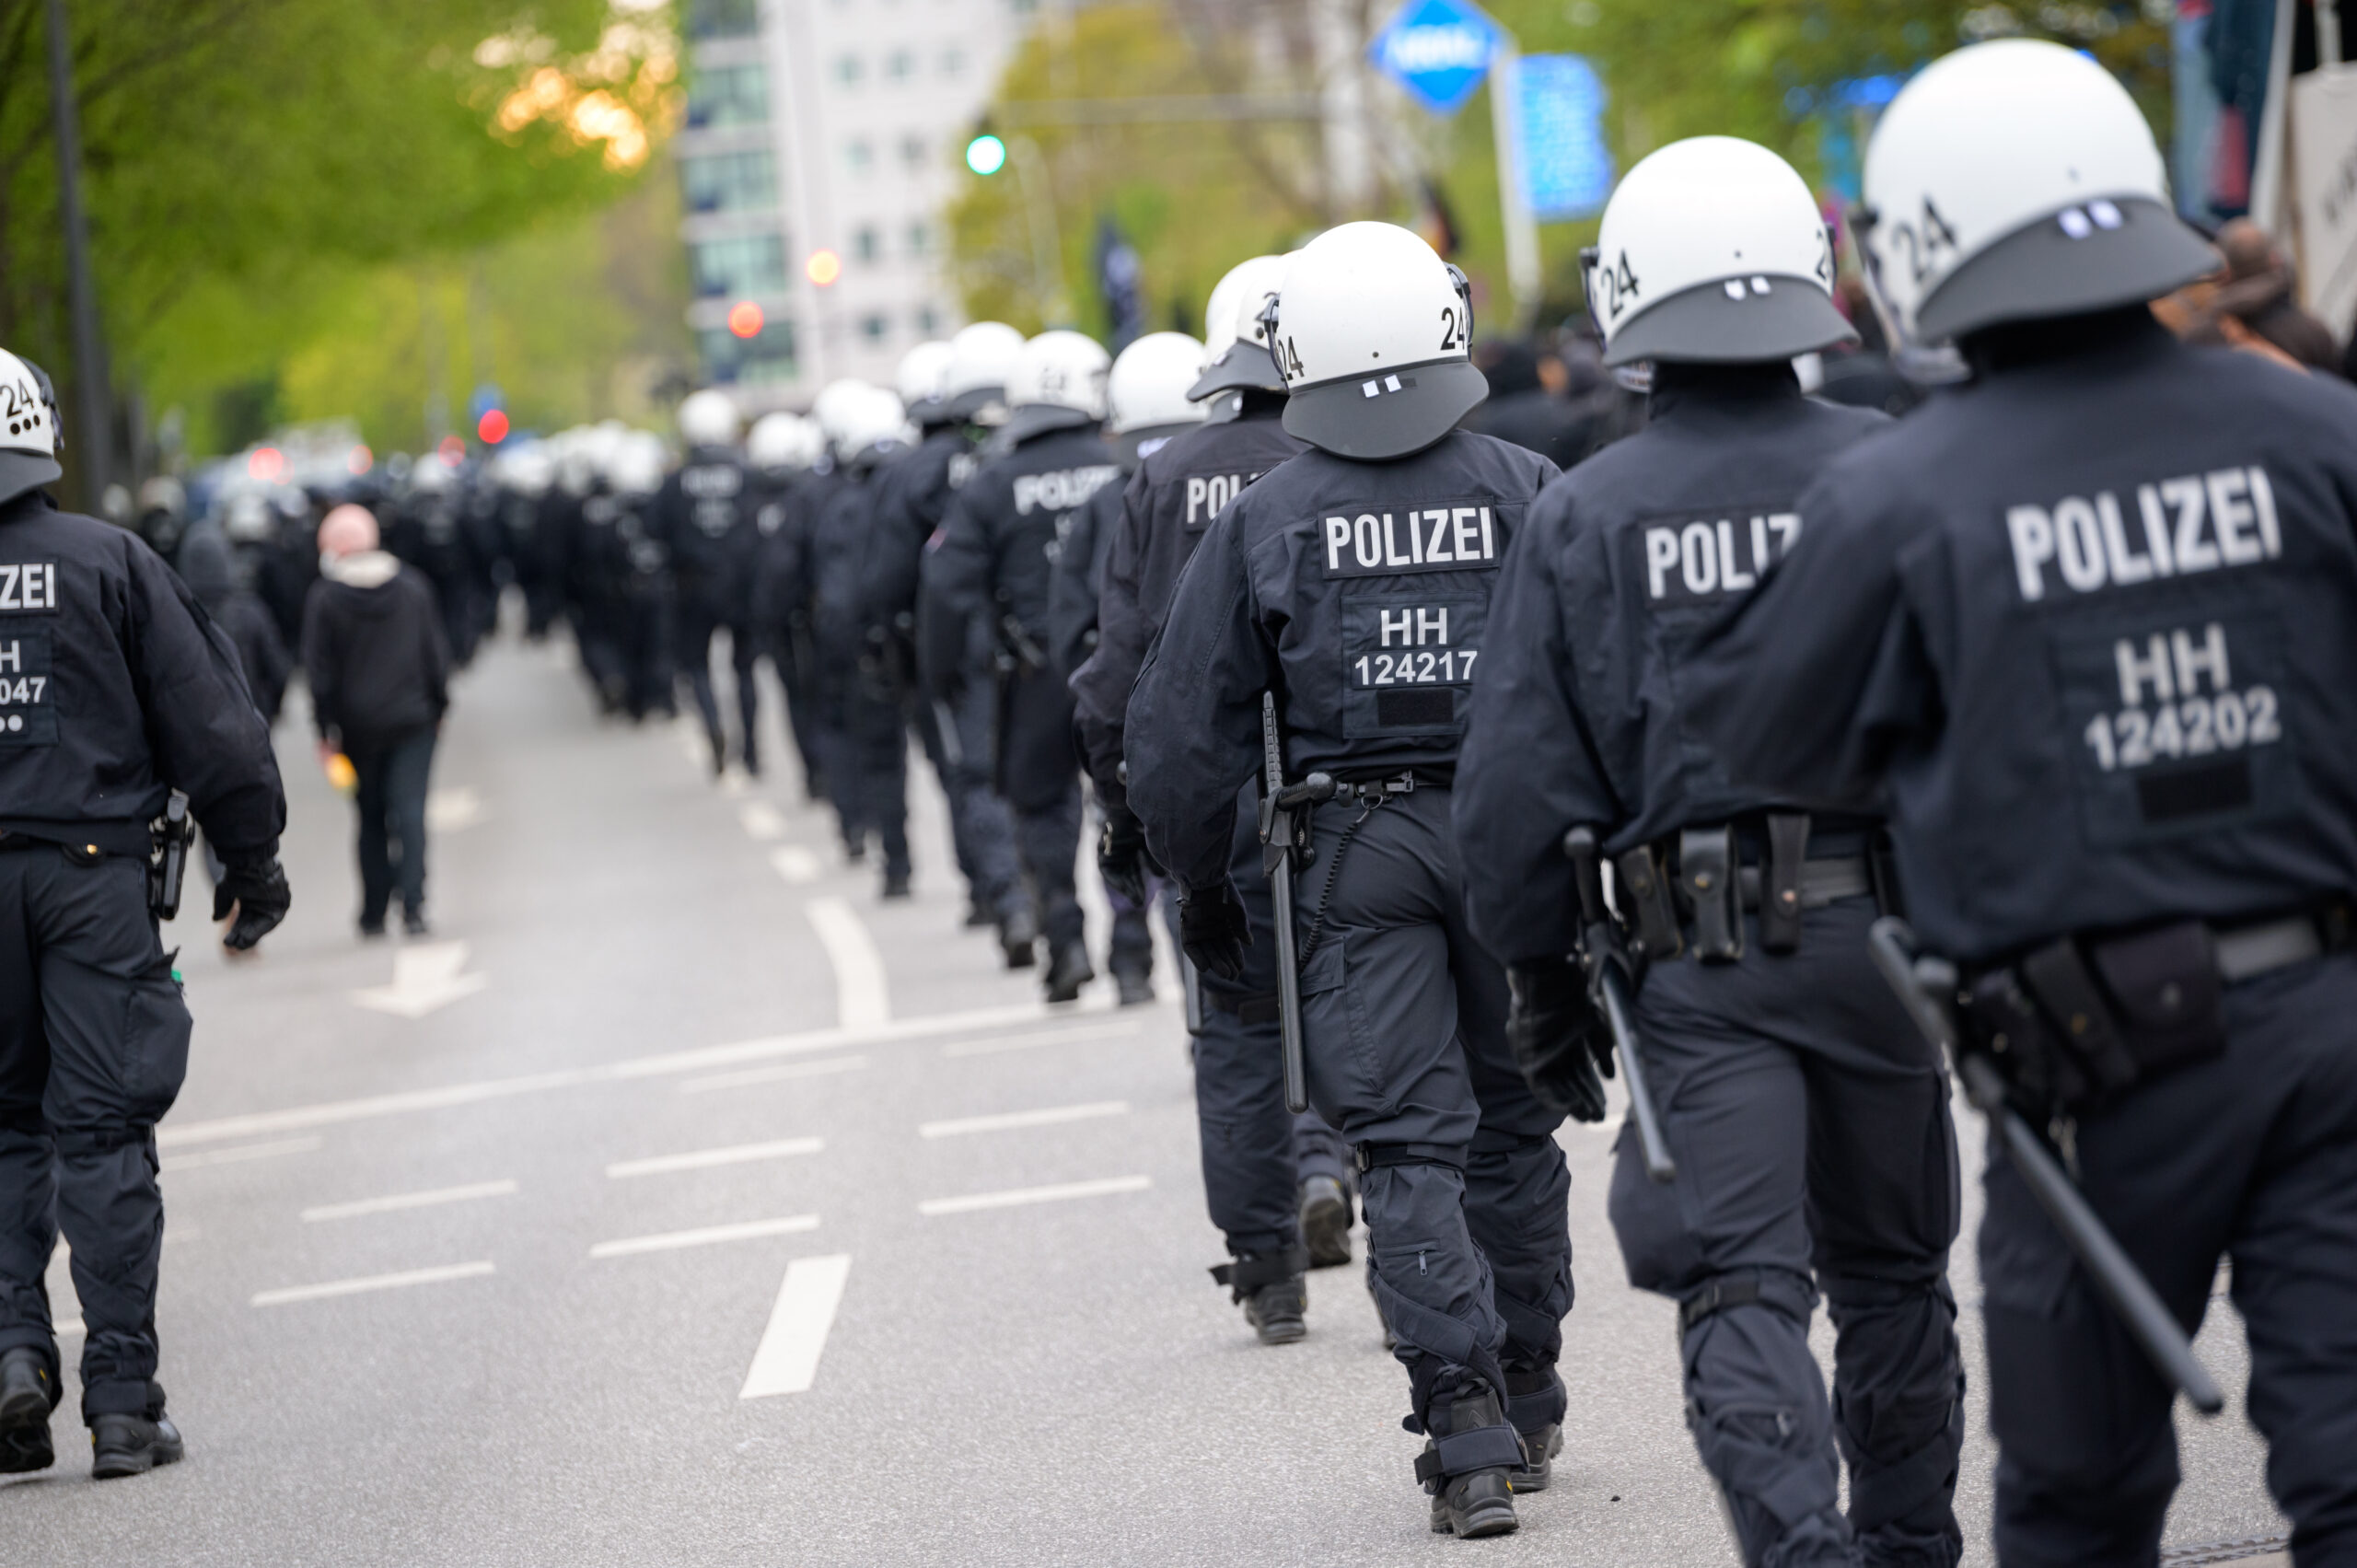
x=1278, y=804
x=1610, y=983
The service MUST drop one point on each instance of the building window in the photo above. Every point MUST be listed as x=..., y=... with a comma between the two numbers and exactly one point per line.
x=728, y=95
x=875, y=329
x=736, y=268
x=928, y=322
x=901, y=65
x=864, y=244
x=729, y=183
x=723, y=18
x=767, y=355
x=858, y=153
x=847, y=69
x=919, y=238
x=912, y=151
x=953, y=61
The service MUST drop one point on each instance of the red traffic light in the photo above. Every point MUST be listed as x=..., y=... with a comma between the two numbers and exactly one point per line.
x=492, y=427
x=745, y=318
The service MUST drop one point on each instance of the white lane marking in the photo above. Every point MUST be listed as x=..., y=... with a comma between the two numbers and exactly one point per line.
x=242, y=1151
x=761, y=819
x=372, y=1282
x=794, y=863
x=1016, y=1197
x=669, y=1241
x=1009, y=1120
x=453, y=811
x=704, y=1159
x=333, y=1112
x=786, y=1361
x=862, y=996
x=1027, y=1043
x=425, y=979
x=752, y=1075
x=399, y=1200
x=69, y=1327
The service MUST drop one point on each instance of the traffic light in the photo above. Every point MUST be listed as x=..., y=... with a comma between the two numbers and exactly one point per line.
x=985, y=154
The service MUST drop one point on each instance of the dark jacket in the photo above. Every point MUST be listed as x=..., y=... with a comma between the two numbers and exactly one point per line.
x=374, y=650
x=206, y=565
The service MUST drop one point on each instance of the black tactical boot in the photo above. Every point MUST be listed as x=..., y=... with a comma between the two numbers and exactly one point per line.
x=1134, y=982
x=28, y=1393
x=896, y=882
x=977, y=915
x=1069, y=971
x=1326, y=1222
x=1534, y=1405
x=131, y=1444
x=1269, y=1287
x=1467, y=1467
x=1018, y=937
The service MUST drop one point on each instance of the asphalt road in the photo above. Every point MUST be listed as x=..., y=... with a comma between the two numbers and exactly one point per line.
x=709, y=1211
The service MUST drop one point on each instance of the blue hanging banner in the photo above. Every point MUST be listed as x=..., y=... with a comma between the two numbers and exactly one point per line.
x=1559, y=120
x=1438, y=50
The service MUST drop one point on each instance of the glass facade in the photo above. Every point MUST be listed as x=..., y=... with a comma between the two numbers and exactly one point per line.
x=739, y=267
x=729, y=183
x=723, y=18
x=768, y=355
x=728, y=95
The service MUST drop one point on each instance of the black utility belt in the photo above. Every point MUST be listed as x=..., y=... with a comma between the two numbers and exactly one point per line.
x=1688, y=892
x=1406, y=782
x=2075, y=1024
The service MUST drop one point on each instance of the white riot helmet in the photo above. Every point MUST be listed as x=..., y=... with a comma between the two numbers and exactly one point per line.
x=981, y=361
x=634, y=467
x=1147, y=394
x=709, y=418
x=2013, y=181
x=834, y=406
x=1058, y=384
x=27, y=429
x=782, y=442
x=1235, y=342
x=868, y=426
x=430, y=475
x=923, y=382
x=1372, y=329
x=1712, y=251
x=528, y=470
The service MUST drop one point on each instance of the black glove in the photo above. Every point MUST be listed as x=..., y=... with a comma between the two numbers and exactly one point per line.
x=1122, y=856
x=1213, y=931
x=258, y=891
x=1560, y=1040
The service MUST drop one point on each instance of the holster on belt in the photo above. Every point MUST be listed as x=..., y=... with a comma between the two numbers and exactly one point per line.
x=1707, y=877
x=1646, y=902
x=1779, y=890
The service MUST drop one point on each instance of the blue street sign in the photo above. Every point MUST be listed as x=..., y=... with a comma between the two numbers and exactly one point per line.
x=1566, y=168
x=1438, y=50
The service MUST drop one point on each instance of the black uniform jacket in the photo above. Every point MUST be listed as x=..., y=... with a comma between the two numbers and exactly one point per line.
x=1002, y=536
x=2093, y=623
x=706, y=517
x=1359, y=592
x=911, y=498
x=1577, y=714
x=118, y=690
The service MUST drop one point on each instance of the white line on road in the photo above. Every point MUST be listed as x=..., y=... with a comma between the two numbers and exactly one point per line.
x=1016, y=1197
x=704, y=1160
x=787, y=1358
x=453, y=811
x=232, y=1155
x=1046, y=1037
x=862, y=996
x=794, y=863
x=399, y=1200
x=425, y=978
x=372, y=1282
x=670, y=1241
x=761, y=819
x=69, y=1327
x=1009, y=1120
x=752, y=1075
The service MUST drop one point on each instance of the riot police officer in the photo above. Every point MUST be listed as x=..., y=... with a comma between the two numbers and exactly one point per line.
x=115, y=691
x=1807, y=1114
x=781, y=450
x=706, y=517
x=1351, y=583
x=2083, y=624
x=1274, y=1182
x=998, y=550
x=637, y=565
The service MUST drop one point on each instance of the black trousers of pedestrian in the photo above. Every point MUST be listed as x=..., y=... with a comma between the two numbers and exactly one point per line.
x=2251, y=1156
x=93, y=1042
x=967, y=726
x=697, y=622
x=391, y=807
x=1809, y=1120
x=1039, y=775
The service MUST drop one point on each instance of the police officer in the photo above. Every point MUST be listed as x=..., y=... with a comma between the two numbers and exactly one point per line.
x=999, y=546
x=706, y=515
x=781, y=450
x=115, y=690
x=1353, y=582
x=1275, y=1183
x=637, y=565
x=2083, y=624
x=1807, y=1114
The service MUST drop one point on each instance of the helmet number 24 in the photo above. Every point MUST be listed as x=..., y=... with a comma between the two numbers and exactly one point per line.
x=1923, y=240
x=1619, y=282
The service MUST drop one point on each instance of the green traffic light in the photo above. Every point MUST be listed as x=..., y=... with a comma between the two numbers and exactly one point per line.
x=986, y=155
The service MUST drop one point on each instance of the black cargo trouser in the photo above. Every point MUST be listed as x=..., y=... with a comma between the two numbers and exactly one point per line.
x=698, y=618
x=2251, y=1156
x=1039, y=772
x=94, y=1043
x=967, y=724
x=1809, y=1120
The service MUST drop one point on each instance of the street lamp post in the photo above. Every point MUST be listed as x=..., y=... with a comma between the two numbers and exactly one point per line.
x=94, y=437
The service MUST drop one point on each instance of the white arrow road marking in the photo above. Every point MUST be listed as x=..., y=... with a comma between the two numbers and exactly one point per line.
x=704, y=1159
x=1012, y=1120
x=705, y=1236
x=787, y=1359
x=1020, y=1195
x=794, y=863
x=399, y=1200
x=862, y=996
x=761, y=819
x=372, y=1282
x=425, y=979
x=454, y=809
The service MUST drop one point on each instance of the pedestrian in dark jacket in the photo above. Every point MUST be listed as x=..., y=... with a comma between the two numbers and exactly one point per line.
x=207, y=565
x=378, y=663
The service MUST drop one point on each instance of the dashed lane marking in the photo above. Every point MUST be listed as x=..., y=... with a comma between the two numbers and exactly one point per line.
x=752, y=1075
x=373, y=1281
x=704, y=1159
x=1018, y=1197
x=238, y=1152
x=454, y=810
x=1046, y=1037
x=863, y=994
x=706, y=1236
x=1009, y=1120
x=794, y=863
x=761, y=819
x=786, y=1362
x=397, y=1201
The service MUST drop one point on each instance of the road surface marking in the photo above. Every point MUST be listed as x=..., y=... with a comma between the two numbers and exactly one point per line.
x=1046, y=1037
x=794, y=863
x=399, y=1200
x=242, y=1151
x=372, y=1282
x=704, y=1160
x=1009, y=1120
x=787, y=1358
x=425, y=979
x=862, y=996
x=670, y=1241
x=69, y=1327
x=774, y=1074
x=333, y=1112
x=453, y=811
x=761, y=819
x=1018, y=1196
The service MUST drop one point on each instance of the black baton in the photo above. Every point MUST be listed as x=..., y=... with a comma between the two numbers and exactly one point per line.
x=1610, y=983
x=1278, y=804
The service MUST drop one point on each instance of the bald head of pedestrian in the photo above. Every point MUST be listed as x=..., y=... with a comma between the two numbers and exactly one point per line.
x=347, y=530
